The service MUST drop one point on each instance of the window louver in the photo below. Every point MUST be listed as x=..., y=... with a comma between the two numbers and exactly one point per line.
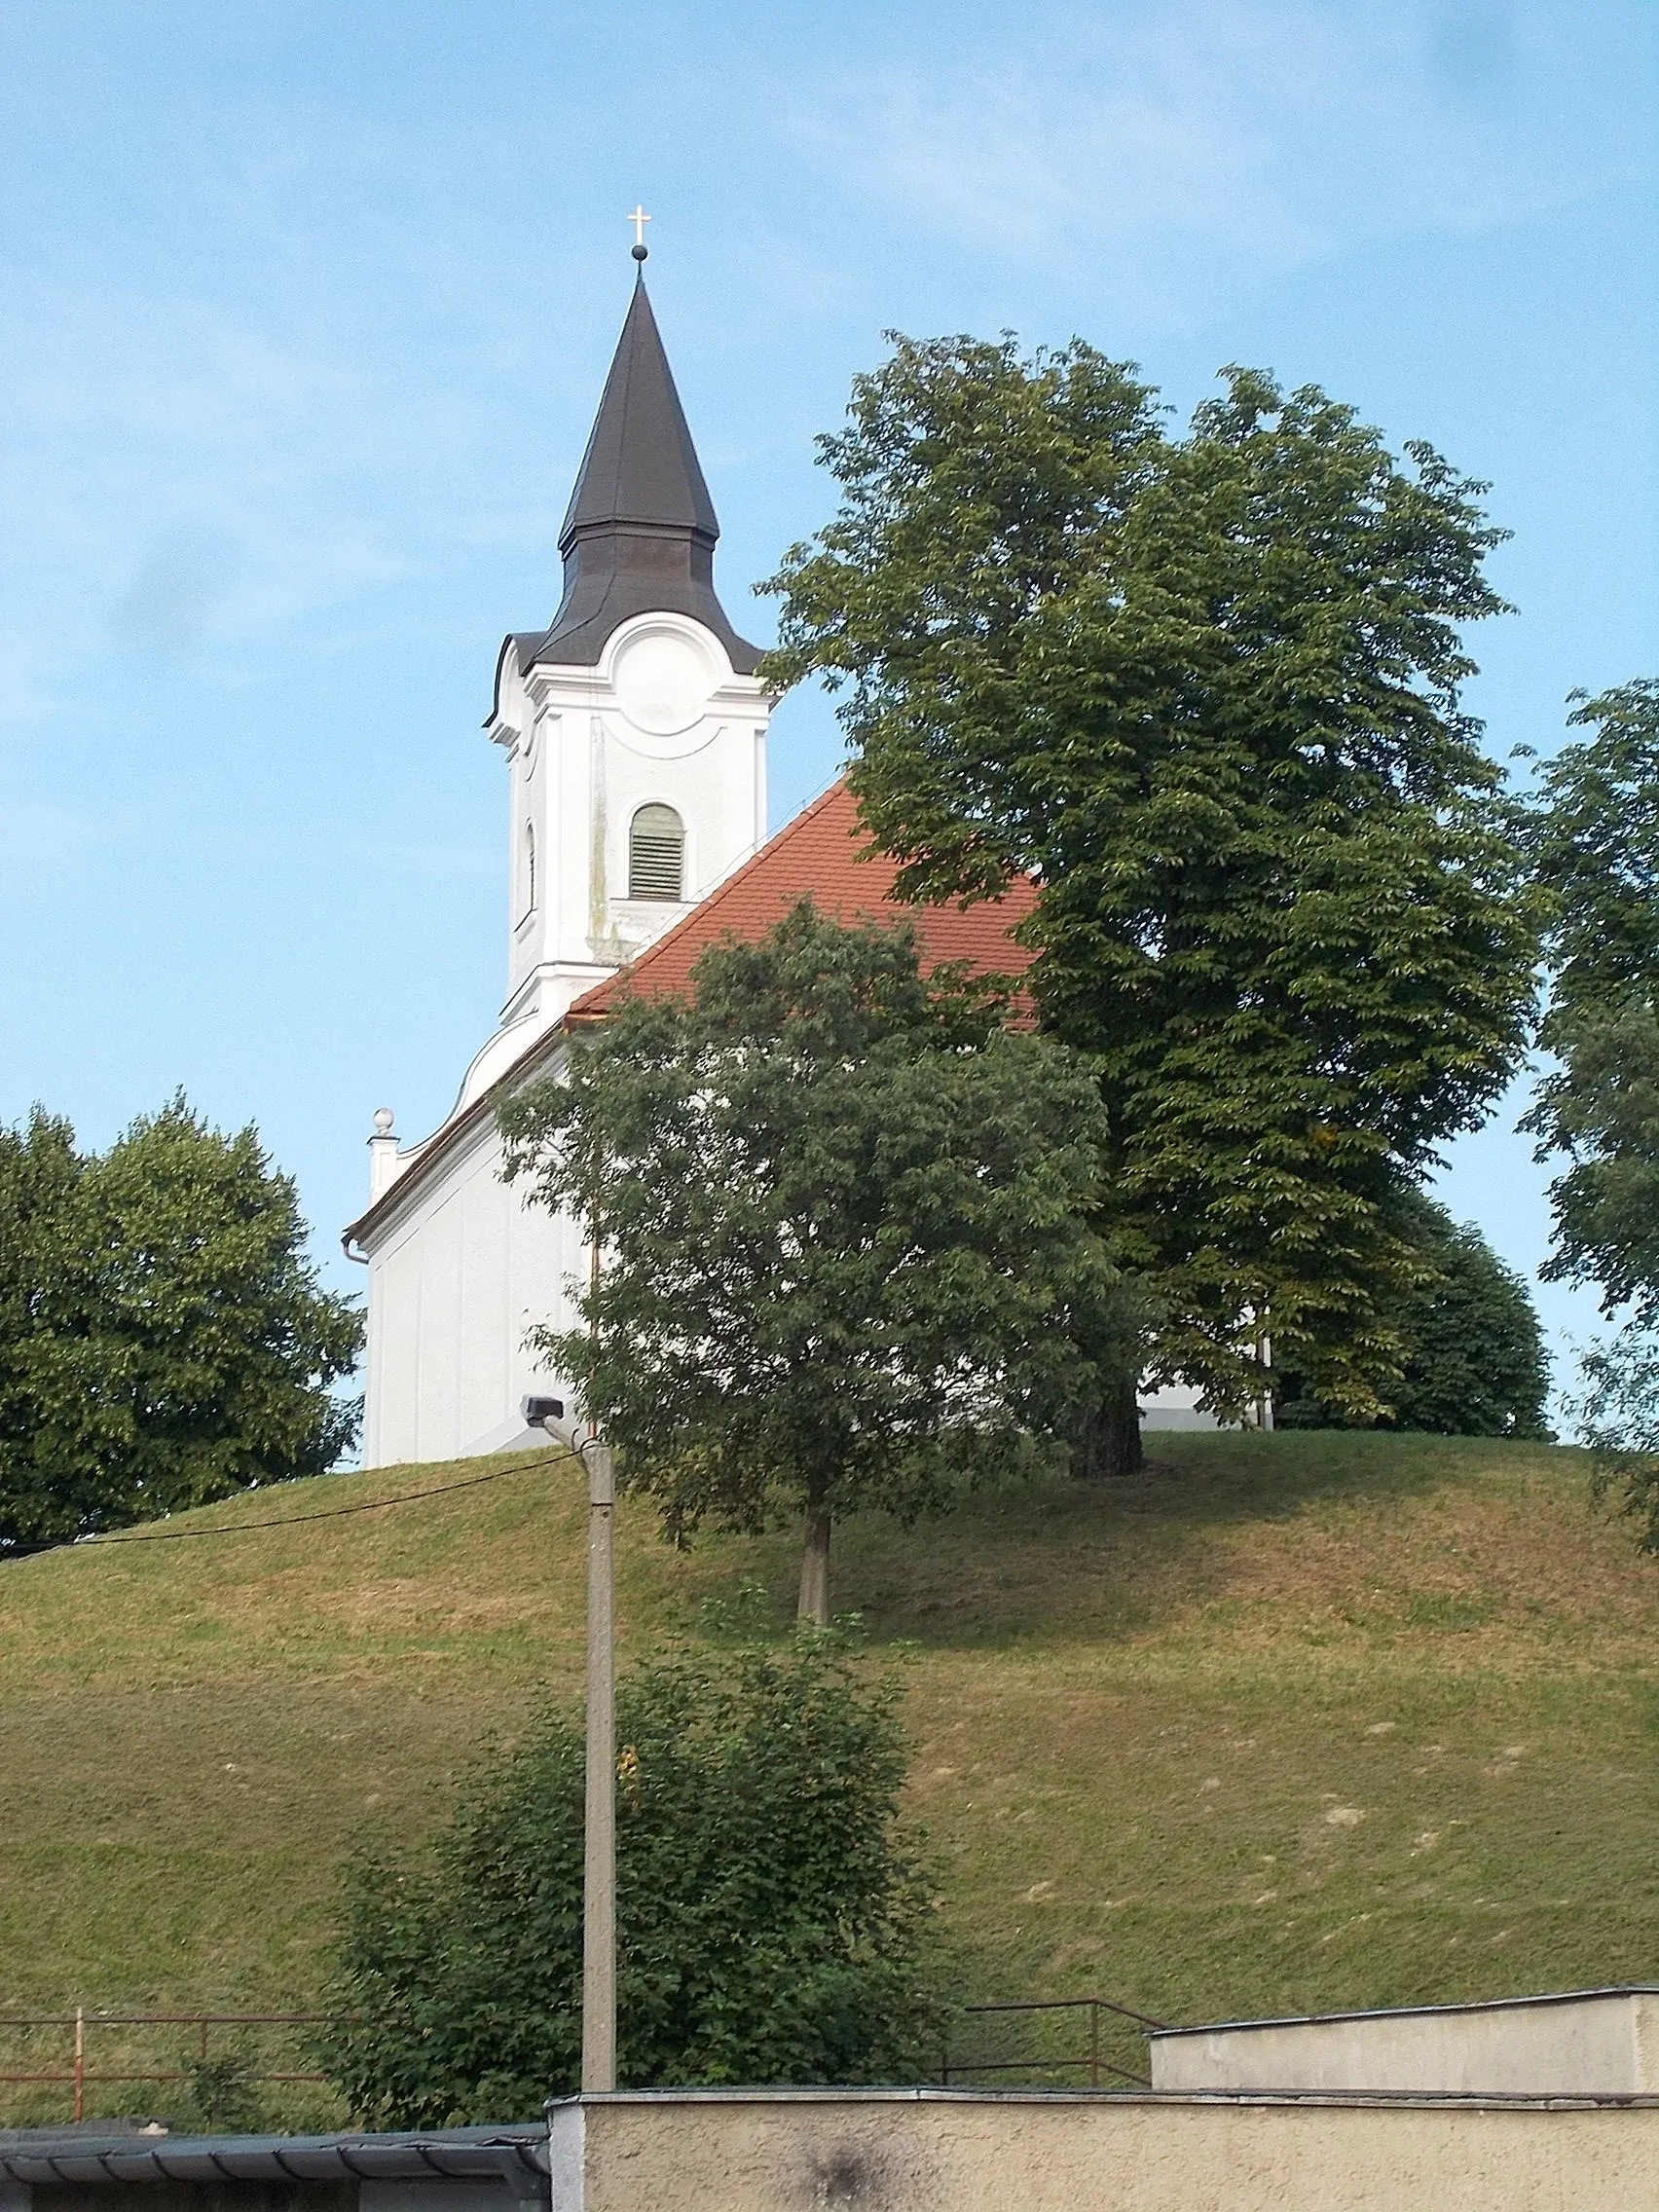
x=657, y=854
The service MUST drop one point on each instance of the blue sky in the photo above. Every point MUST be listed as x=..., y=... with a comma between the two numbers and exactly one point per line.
x=307, y=308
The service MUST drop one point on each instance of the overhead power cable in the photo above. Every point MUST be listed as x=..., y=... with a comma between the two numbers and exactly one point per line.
x=290, y=1519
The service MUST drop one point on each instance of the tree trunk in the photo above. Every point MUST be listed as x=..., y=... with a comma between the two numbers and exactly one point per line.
x=1111, y=1445
x=814, y=1608
x=1121, y=1451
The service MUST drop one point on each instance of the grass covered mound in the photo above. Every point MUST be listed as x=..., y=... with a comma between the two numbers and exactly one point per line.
x=1292, y=1723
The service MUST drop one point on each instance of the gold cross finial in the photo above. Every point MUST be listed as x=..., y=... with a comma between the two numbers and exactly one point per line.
x=638, y=218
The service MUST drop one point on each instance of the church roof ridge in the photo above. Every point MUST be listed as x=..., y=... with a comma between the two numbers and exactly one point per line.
x=821, y=853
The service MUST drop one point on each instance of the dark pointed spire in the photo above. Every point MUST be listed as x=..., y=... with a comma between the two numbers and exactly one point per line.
x=641, y=466
x=638, y=536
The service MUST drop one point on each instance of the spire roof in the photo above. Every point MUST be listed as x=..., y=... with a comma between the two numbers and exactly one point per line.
x=641, y=465
x=639, y=535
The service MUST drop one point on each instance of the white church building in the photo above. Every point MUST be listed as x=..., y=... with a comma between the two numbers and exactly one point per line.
x=633, y=731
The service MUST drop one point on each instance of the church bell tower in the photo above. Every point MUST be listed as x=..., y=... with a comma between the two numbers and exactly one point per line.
x=634, y=725
x=634, y=730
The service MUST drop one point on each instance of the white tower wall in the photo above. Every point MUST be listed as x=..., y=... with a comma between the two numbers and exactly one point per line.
x=661, y=720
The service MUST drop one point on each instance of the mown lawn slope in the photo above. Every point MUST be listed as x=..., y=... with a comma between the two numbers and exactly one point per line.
x=1294, y=1722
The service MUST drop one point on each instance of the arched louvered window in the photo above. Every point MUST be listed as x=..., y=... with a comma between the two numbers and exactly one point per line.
x=657, y=854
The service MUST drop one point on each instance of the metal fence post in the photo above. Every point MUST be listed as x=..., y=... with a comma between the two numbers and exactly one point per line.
x=80, y=2074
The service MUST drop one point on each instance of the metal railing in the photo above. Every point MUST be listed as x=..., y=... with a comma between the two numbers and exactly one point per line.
x=1090, y=2061
x=78, y=2074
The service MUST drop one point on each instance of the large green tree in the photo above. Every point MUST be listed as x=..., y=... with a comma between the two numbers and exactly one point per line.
x=841, y=1207
x=1596, y=840
x=1472, y=1359
x=60, y=1427
x=1207, y=689
x=773, y=1925
x=163, y=1338
x=1595, y=836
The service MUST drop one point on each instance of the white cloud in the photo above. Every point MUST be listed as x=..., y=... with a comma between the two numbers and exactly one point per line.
x=1150, y=138
x=176, y=475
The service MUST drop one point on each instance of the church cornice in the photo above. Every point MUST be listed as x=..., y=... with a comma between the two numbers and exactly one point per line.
x=549, y=684
x=443, y=1141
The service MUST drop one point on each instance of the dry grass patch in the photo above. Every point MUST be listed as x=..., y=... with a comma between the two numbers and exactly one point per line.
x=1294, y=1721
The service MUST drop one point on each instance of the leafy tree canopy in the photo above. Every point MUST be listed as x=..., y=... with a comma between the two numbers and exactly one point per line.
x=1595, y=831
x=1472, y=1354
x=841, y=1207
x=1595, y=837
x=1617, y=1416
x=772, y=1922
x=163, y=1339
x=1207, y=688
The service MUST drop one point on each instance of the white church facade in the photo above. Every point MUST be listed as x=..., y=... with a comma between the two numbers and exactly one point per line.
x=634, y=732
x=634, y=736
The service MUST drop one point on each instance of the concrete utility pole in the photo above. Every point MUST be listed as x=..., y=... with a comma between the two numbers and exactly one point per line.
x=598, y=1880
x=599, y=1869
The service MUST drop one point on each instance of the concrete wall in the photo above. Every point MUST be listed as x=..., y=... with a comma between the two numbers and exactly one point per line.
x=969, y=2152
x=1604, y=2043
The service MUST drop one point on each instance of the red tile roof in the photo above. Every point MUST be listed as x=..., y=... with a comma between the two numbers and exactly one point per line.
x=821, y=854
x=817, y=852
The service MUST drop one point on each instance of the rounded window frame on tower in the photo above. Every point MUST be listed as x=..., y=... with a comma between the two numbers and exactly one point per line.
x=656, y=855
x=527, y=865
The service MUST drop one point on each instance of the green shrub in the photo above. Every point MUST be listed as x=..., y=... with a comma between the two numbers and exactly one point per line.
x=773, y=1925
x=222, y=2098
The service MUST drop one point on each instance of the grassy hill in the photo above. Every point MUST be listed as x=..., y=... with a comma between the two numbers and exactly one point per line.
x=1294, y=1722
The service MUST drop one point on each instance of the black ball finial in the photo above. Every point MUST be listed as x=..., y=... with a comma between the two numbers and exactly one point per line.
x=642, y=252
